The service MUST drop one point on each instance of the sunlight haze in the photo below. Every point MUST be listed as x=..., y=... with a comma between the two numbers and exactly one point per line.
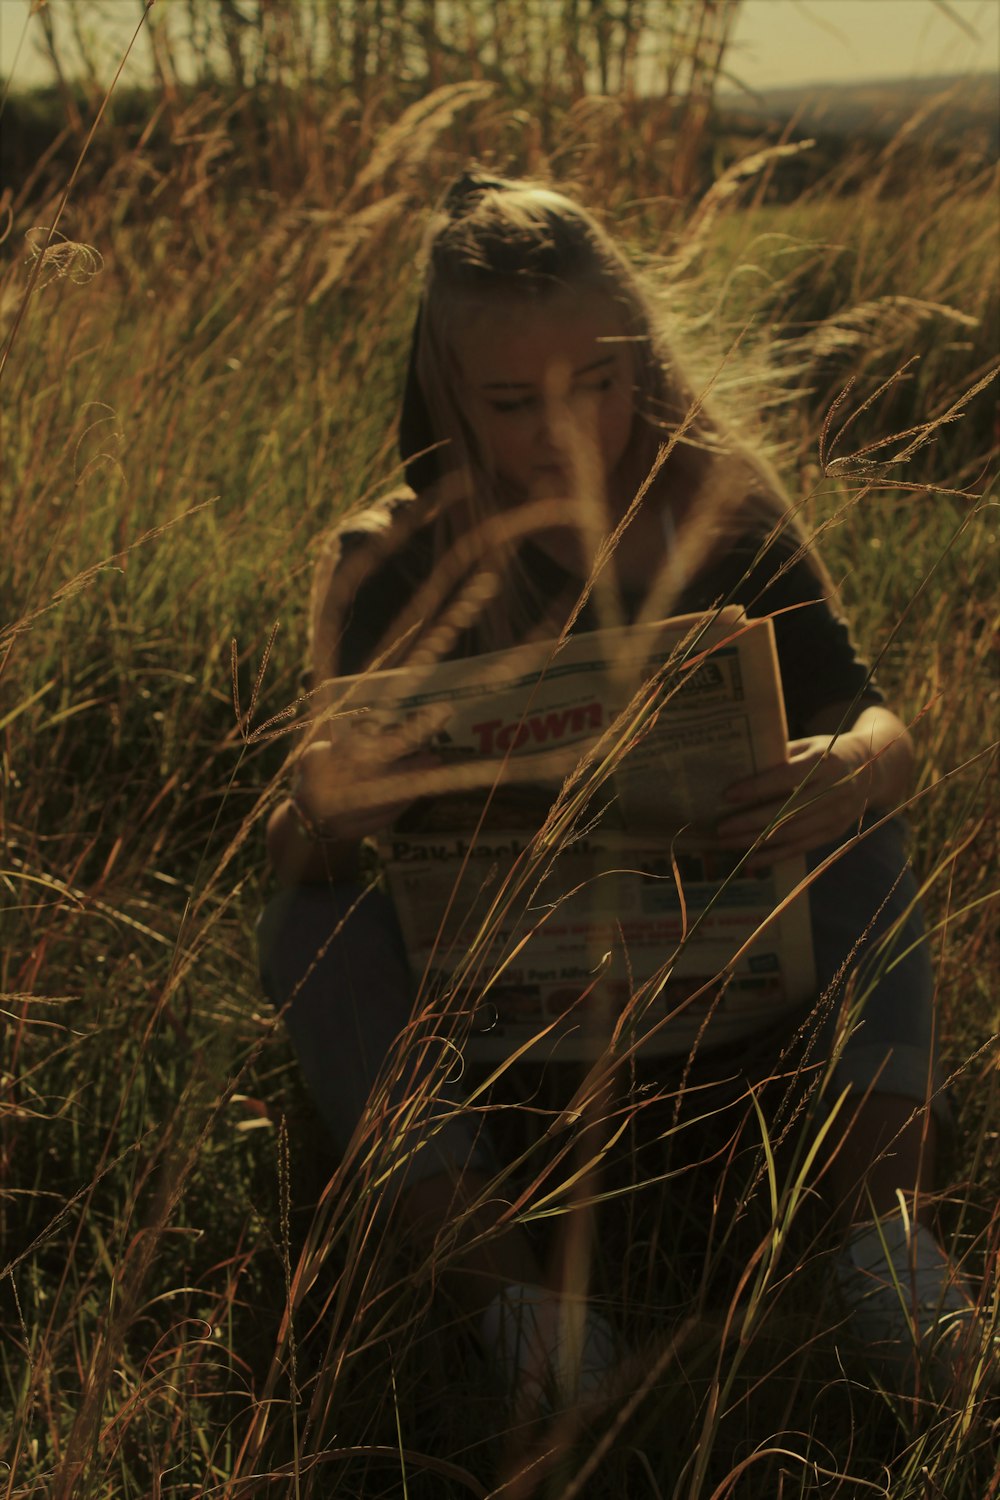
x=775, y=42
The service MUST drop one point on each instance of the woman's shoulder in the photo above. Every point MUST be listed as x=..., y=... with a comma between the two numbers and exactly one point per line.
x=759, y=536
x=382, y=519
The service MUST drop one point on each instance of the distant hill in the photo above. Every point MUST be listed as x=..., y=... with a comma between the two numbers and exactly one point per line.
x=962, y=112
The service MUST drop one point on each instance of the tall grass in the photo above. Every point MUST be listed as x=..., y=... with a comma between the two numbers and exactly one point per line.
x=198, y=1299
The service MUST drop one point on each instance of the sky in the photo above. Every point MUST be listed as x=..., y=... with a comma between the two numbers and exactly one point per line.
x=776, y=42
x=784, y=42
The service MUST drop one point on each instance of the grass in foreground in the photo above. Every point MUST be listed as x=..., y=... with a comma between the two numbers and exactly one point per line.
x=192, y=1304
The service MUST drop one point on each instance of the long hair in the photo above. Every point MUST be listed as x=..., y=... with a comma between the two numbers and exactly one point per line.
x=495, y=238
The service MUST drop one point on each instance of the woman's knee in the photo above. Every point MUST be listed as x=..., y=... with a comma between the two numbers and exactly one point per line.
x=334, y=965
x=873, y=964
x=328, y=938
x=867, y=921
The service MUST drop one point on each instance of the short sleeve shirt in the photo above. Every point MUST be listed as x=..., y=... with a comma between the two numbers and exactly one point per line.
x=767, y=576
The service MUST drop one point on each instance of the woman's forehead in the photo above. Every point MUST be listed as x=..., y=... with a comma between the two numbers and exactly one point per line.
x=514, y=340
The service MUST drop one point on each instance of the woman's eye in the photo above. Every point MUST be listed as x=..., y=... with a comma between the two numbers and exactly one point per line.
x=598, y=387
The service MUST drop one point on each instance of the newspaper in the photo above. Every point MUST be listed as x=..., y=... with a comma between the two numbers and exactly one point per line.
x=555, y=876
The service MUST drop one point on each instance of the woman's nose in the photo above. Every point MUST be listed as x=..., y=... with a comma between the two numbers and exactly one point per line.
x=549, y=428
x=561, y=422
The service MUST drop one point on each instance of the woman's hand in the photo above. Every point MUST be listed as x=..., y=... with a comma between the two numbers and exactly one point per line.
x=342, y=798
x=817, y=798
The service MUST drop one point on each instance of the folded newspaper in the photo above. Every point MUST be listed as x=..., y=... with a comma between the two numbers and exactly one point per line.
x=555, y=878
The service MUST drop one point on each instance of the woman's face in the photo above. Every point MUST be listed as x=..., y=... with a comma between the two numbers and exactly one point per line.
x=543, y=380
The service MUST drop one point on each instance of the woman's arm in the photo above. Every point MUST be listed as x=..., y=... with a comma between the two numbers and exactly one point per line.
x=832, y=778
x=299, y=857
x=304, y=844
x=316, y=833
x=886, y=770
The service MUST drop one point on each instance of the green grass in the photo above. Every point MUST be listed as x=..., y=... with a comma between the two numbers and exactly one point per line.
x=178, y=430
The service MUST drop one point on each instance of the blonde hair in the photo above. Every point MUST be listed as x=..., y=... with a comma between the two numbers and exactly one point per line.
x=494, y=238
x=499, y=238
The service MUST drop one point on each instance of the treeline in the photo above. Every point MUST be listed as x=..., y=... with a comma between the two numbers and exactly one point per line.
x=289, y=100
x=281, y=80
x=541, y=47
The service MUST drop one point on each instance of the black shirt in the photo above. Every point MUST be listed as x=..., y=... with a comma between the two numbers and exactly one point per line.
x=818, y=661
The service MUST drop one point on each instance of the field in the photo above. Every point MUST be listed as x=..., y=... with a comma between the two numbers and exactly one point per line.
x=200, y=374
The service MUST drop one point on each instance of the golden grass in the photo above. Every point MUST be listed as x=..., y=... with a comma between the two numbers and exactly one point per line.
x=197, y=1300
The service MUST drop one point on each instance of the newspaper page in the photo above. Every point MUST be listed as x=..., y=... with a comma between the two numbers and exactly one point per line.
x=555, y=877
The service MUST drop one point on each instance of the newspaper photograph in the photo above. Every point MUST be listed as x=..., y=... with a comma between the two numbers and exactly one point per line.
x=554, y=877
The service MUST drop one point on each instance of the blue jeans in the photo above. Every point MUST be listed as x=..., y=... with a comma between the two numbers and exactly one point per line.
x=333, y=961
